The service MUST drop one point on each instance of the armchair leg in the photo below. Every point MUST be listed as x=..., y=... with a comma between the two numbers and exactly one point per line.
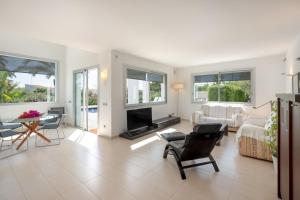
x=63, y=133
x=58, y=138
x=182, y=174
x=181, y=170
x=214, y=163
x=166, y=151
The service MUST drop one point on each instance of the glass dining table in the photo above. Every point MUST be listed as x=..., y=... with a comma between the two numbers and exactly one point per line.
x=32, y=125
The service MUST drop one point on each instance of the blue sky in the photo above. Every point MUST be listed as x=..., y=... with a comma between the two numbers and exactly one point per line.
x=38, y=79
x=42, y=80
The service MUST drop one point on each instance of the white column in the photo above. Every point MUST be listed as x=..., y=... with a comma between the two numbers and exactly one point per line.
x=133, y=91
x=145, y=88
x=162, y=93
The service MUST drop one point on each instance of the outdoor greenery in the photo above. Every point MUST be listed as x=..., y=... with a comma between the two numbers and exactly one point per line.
x=7, y=87
x=272, y=130
x=155, y=90
x=140, y=96
x=11, y=93
x=92, y=96
x=231, y=91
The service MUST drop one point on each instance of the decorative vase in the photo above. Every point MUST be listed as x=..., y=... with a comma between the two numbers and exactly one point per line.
x=275, y=161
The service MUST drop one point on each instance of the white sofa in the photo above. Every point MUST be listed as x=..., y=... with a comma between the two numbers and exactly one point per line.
x=232, y=115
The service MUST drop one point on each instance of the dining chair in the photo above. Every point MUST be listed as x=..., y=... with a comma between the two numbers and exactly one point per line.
x=61, y=111
x=61, y=114
x=12, y=126
x=7, y=135
x=53, y=124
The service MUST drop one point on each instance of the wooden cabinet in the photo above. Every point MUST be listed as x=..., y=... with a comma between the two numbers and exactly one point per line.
x=296, y=150
x=289, y=146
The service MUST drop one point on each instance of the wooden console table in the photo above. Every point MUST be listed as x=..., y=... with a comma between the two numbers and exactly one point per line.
x=288, y=146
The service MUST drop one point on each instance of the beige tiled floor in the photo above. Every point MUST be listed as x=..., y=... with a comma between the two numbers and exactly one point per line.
x=88, y=167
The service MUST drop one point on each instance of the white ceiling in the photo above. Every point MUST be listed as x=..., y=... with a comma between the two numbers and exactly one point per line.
x=179, y=33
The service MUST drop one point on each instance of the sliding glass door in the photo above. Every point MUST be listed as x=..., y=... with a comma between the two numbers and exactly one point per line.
x=79, y=100
x=86, y=99
x=92, y=99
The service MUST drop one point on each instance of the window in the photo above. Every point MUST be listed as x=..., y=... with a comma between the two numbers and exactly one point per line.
x=144, y=87
x=223, y=87
x=26, y=80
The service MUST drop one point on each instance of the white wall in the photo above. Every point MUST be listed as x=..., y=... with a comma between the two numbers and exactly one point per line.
x=117, y=92
x=267, y=77
x=78, y=59
x=292, y=65
x=105, y=128
x=75, y=59
x=27, y=47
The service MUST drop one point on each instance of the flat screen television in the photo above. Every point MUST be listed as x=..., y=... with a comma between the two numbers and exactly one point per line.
x=139, y=118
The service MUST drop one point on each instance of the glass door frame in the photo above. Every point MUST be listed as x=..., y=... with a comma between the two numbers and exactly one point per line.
x=84, y=71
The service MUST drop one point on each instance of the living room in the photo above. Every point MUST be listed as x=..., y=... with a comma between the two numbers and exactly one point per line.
x=135, y=79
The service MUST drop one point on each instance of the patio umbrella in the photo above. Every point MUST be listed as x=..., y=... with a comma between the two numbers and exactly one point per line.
x=25, y=65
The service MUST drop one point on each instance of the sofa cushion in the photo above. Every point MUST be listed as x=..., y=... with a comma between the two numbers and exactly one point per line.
x=233, y=110
x=217, y=111
x=231, y=122
x=212, y=120
x=205, y=109
x=221, y=111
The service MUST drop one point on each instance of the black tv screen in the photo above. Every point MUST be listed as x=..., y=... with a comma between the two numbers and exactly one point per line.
x=139, y=118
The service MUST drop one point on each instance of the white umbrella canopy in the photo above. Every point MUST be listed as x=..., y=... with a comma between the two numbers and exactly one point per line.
x=25, y=65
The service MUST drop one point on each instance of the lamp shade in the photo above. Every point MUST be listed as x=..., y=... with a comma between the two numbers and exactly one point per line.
x=103, y=75
x=178, y=86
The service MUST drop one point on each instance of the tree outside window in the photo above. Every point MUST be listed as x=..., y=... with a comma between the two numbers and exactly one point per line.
x=26, y=80
x=223, y=87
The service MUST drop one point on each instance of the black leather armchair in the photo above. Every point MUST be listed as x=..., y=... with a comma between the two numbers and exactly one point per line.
x=198, y=144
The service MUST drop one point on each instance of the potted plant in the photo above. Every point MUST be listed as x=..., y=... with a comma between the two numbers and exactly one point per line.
x=272, y=133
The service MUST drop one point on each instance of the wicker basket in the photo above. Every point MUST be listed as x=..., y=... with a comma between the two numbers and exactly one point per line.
x=254, y=148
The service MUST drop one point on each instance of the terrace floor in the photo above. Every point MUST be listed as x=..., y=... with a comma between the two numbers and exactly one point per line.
x=86, y=166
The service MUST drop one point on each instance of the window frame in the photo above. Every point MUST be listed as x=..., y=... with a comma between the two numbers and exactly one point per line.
x=38, y=59
x=165, y=75
x=253, y=97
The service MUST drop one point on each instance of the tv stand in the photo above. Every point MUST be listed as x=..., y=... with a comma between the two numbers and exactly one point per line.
x=157, y=125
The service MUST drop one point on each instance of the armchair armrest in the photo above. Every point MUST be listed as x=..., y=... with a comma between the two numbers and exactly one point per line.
x=197, y=115
x=238, y=119
x=252, y=131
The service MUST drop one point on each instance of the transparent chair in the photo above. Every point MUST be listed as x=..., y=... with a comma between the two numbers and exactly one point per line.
x=51, y=124
x=7, y=136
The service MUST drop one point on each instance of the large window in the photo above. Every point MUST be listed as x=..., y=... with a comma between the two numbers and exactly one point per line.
x=144, y=87
x=26, y=80
x=223, y=87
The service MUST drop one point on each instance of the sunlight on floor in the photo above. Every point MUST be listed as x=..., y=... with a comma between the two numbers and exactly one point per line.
x=83, y=138
x=169, y=130
x=144, y=142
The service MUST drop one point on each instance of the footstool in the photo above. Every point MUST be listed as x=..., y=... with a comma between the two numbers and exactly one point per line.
x=173, y=136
